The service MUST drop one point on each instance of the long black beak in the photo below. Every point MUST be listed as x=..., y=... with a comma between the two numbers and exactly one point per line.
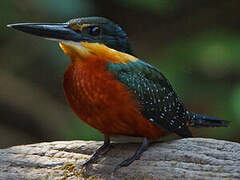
x=55, y=31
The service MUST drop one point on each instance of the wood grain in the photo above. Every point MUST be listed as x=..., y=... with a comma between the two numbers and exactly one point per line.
x=190, y=158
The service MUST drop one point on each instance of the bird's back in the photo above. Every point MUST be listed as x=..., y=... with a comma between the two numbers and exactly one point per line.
x=159, y=103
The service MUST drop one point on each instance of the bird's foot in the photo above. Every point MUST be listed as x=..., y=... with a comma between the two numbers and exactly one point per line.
x=126, y=162
x=137, y=154
x=100, y=151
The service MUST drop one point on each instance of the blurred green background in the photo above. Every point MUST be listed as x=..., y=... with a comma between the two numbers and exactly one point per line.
x=194, y=43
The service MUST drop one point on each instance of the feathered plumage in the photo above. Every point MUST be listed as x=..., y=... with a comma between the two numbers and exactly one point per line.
x=112, y=90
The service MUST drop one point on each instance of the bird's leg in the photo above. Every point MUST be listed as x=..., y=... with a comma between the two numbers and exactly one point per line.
x=137, y=154
x=100, y=151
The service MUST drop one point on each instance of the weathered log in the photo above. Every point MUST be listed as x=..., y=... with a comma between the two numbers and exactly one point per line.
x=191, y=158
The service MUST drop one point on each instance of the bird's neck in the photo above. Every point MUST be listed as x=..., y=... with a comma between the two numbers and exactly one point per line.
x=85, y=51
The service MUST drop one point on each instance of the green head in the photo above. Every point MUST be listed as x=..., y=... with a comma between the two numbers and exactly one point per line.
x=103, y=31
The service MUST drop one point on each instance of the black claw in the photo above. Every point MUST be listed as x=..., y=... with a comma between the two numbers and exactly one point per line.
x=137, y=154
x=100, y=151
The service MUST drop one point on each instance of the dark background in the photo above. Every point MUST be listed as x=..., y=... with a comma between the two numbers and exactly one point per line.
x=194, y=43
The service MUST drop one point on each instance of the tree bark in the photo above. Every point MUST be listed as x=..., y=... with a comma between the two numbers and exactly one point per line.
x=191, y=158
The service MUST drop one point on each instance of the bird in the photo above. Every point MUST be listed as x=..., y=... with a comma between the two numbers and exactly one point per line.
x=109, y=88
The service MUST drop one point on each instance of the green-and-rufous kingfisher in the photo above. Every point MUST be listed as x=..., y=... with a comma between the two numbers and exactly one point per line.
x=112, y=90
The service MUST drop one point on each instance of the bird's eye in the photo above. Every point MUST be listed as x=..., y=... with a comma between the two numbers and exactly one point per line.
x=94, y=31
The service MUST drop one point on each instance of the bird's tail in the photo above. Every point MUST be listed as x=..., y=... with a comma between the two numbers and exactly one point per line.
x=198, y=120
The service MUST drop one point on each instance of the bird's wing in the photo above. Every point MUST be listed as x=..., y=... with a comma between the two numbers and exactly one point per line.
x=158, y=101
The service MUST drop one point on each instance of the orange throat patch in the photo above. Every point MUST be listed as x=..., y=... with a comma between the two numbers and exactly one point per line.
x=82, y=51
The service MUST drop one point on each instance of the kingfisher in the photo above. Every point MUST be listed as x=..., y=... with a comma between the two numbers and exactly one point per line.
x=112, y=90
